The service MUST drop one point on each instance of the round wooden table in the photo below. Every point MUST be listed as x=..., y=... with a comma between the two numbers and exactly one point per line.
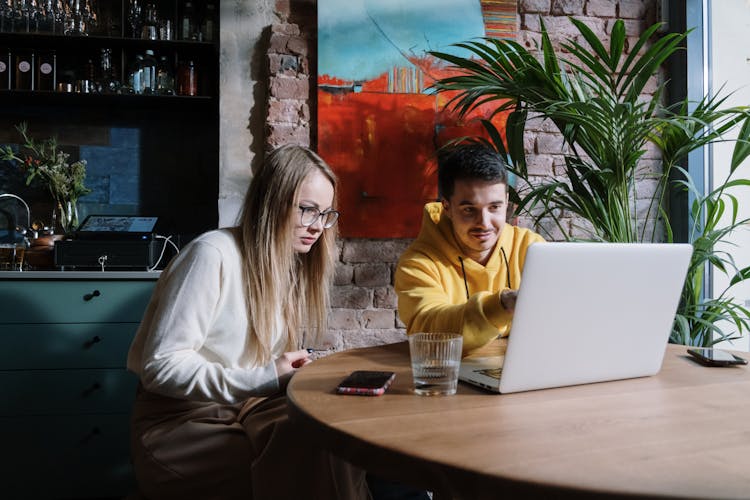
x=684, y=433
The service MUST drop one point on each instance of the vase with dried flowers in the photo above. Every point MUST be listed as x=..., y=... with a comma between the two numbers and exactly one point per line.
x=44, y=161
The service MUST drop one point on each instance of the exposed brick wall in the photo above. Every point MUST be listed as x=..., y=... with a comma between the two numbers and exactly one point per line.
x=288, y=87
x=364, y=303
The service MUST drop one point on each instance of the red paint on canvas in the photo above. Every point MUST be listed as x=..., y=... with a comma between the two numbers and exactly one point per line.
x=382, y=146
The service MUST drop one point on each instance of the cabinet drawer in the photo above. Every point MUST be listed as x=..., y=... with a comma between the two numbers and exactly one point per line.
x=55, y=392
x=66, y=457
x=73, y=301
x=65, y=345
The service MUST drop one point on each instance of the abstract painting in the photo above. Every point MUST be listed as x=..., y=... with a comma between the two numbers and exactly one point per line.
x=379, y=125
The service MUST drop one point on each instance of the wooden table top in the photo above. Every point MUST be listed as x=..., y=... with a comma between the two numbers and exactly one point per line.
x=684, y=433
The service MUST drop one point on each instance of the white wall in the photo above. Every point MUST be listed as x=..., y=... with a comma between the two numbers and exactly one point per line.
x=729, y=65
x=242, y=23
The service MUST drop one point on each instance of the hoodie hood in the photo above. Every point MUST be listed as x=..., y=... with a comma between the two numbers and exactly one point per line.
x=436, y=237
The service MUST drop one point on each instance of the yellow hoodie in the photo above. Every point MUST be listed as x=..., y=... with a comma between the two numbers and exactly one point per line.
x=430, y=282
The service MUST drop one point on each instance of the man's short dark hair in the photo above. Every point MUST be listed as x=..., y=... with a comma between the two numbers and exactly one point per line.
x=469, y=161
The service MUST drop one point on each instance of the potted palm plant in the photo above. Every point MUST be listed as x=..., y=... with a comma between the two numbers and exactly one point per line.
x=594, y=97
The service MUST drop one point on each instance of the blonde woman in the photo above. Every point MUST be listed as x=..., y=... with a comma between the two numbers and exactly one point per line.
x=222, y=336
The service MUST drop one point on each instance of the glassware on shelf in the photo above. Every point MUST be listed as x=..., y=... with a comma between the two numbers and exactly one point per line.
x=109, y=83
x=90, y=15
x=87, y=83
x=150, y=28
x=81, y=17
x=148, y=82
x=46, y=71
x=60, y=12
x=187, y=79
x=5, y=15
x=135, y=76
x=166, y=29
x=5, y=69
x=134, y=18
x=208, y=25
x=187, y=22
x=164, y=77
x=24, y=70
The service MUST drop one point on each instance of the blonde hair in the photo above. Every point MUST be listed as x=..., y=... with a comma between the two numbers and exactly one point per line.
x=280, y=283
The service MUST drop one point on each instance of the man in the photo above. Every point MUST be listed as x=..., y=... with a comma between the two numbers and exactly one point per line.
x=462, y=272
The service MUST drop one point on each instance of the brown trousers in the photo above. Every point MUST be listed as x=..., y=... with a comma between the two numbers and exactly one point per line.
x=185, y=449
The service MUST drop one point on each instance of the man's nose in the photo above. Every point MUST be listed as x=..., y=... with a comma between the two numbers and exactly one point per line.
x=483, y=218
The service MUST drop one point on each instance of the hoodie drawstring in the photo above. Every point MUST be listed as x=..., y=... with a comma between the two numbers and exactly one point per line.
x=463, y=271
x=507, y=267
x=507, y=271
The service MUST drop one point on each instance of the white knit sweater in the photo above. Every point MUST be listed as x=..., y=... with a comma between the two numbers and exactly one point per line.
x=192, y=342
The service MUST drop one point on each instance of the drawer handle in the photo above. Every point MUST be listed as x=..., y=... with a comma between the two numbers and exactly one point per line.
x=91, y=295
x=89, y=343
x=94, y=387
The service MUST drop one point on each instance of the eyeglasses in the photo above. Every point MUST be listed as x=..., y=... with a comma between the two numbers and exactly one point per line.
x=310, y=215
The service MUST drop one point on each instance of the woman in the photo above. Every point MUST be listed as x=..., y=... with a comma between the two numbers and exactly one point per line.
x=221, y=338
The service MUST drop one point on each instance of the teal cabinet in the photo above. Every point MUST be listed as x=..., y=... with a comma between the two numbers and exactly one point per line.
x=65, y=392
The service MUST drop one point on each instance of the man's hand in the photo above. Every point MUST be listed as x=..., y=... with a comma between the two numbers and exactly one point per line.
x=508, y=299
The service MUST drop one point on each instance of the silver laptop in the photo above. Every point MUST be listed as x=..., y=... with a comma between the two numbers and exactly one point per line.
x=587, y=312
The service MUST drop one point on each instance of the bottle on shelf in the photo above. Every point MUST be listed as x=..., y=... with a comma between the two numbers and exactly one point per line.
x=187, y=22
x=109, y=82
x=134, y=18
x=5, y=65
x=164, y=77
x=135, y=76
x=150, y=29
x=187, y=79
x=148, y=82
x=24, y=70
x=87, y=83
x=166, y=29
x=208, y=25
x=67, y=77
x=46, y=71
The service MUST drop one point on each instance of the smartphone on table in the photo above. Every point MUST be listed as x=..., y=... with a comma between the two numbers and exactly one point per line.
x=716, y=357
x=366, y=383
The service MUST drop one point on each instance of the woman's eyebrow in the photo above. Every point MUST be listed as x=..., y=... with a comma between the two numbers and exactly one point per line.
x=309, y=203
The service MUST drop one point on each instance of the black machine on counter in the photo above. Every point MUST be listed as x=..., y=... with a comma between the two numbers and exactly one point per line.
x=110, y=242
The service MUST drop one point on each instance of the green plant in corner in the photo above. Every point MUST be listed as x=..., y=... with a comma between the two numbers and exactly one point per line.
x=713, y=216
x=594, y=98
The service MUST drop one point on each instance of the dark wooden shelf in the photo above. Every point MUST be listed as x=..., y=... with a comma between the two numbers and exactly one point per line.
x=64, y=42
x=147, y=154
x=18, y=96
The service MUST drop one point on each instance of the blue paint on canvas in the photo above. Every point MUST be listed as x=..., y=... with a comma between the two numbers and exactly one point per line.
x=361, y=39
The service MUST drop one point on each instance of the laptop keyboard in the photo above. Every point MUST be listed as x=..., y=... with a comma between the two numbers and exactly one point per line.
x=491, y=372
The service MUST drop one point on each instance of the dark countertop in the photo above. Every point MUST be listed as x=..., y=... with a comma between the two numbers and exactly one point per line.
x=80, y=275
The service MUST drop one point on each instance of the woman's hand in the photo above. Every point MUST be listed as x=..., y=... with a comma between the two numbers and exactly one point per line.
x=288, y=363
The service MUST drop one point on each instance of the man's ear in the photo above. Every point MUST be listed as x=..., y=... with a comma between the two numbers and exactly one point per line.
x=446, y=206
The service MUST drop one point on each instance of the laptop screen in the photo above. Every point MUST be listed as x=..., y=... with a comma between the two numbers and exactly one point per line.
x=116, y=226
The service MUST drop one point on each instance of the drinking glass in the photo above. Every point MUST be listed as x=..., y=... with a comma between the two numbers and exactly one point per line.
x=435, y=359
x=11, y=256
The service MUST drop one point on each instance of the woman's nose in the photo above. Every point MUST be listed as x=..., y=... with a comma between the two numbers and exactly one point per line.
x=316, y=226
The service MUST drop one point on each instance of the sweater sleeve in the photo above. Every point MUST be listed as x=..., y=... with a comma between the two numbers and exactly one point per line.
x=176, y=346
x=424, y=305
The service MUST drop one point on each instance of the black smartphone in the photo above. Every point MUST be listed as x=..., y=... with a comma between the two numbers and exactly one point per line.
x=715, y=357
x=366, y=383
